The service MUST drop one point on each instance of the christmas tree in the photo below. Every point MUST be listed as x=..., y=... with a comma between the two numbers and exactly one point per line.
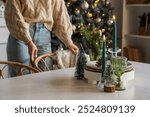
x=90, y=19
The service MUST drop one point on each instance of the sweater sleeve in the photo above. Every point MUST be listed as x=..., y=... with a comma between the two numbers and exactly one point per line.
x=62, y=24
x=15, y=22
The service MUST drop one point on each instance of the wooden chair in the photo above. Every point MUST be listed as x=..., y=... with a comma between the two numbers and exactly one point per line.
x=20, y=67
x=42, y=59
x=60, y=59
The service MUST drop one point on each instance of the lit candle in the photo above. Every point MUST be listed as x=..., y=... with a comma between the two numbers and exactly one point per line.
x=104, y=57
x=114, y=34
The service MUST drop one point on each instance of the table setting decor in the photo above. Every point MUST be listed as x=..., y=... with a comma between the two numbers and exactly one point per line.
x=113, y=72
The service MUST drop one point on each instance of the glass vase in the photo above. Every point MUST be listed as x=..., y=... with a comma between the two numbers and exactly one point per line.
x=95, y=55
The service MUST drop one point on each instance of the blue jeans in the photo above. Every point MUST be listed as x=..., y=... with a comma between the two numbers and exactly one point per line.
x=17, y=50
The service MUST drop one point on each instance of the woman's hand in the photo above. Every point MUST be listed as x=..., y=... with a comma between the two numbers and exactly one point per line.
x=32, y=50
x=74, y=49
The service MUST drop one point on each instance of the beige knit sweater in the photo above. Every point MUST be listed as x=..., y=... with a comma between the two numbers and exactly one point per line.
x=19, y=14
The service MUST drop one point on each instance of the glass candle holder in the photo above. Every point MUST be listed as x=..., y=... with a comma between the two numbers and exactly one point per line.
x=114, y=53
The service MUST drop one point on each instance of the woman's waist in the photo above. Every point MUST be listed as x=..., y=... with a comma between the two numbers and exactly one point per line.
x=47, y=25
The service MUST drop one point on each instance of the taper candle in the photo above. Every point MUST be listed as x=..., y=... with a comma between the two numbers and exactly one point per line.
x=104, y=57
x=114, y=35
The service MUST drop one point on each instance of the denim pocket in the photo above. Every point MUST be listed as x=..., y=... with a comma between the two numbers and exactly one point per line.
x=42, y=35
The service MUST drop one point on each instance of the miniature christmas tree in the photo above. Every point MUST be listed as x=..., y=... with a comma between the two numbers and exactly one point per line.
x=108, y=75
x=110, y=80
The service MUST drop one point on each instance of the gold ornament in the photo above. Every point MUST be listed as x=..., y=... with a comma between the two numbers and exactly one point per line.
x=89, y=15
x=94, y=5
x=98, y=19
x=96, y=1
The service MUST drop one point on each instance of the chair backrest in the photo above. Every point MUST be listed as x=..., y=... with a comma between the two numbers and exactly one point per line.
x=42, y=60
x=19, y=66
x=60, y=59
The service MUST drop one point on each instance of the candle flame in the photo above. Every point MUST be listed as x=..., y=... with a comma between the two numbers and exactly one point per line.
x=113, y=17
x=104, y=37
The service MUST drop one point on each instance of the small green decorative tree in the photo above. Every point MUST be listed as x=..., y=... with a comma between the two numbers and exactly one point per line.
x=108, y=76
x=110, y=80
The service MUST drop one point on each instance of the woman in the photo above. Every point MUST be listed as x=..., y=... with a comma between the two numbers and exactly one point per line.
x=30, y=23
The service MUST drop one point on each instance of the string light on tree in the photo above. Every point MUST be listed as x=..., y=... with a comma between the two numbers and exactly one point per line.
x=77, y=11
x=107, y=2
